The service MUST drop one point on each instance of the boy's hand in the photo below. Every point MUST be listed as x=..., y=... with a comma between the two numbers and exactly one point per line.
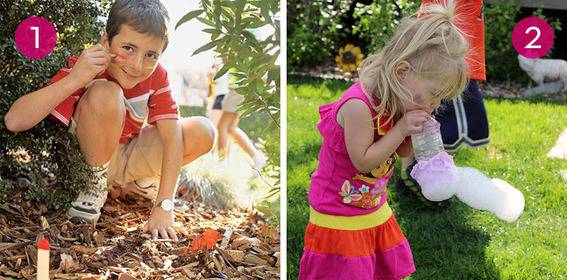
x=161, y=223
x=92, y=61
x=412, y=122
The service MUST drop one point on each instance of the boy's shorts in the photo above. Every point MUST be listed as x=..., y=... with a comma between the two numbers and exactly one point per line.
x=137, y=159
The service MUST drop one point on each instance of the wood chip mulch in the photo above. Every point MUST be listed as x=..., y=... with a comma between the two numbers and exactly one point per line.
x=214, y=244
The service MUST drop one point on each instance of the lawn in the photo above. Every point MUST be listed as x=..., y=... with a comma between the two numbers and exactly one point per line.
x=458, y=243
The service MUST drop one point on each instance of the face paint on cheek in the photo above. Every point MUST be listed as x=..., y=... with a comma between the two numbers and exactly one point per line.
x=120, y=58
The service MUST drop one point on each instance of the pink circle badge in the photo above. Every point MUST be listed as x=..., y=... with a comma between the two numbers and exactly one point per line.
x=532, y=37
x=35, y=37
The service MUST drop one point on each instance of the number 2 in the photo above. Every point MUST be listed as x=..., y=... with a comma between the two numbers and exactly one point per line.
x=36, y=29
x=538, y=33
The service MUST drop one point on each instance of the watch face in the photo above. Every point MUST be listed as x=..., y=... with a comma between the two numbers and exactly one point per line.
x=167, y=205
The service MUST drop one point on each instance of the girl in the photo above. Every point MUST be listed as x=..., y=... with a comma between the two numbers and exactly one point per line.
x=225, y=117
x=352, y=233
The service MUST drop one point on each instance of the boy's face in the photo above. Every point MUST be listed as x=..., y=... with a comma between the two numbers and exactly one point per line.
x=137, y=56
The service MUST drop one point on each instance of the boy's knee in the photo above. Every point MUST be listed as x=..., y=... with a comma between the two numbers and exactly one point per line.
x=200, y=129
x=104, y=96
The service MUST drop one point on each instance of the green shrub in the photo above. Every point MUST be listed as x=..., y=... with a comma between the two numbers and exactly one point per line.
x=377, y=22
x=316, y=30
x=47, y=145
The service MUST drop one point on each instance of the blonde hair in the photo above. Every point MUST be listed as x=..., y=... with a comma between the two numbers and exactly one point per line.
x=435, y=48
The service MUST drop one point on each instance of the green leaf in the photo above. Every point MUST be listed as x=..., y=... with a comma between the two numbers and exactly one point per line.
x=189, y=16
x=212, y=31
x=222, y=71
x=250, y=36
x=207, y=21
x=207, y=46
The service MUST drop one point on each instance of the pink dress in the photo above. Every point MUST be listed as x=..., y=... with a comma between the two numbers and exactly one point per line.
x=352, y=233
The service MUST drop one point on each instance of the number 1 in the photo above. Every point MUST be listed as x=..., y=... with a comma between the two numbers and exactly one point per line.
x=36, y=29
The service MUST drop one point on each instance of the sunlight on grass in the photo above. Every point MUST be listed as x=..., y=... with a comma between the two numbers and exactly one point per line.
x=229, y=180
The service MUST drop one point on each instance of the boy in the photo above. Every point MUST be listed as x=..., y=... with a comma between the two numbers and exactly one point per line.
x=105, y=96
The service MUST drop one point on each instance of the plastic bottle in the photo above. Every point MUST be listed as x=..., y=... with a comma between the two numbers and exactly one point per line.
x=428, y=143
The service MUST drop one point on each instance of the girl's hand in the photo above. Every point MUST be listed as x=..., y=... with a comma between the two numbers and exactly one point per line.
x=92, y=61
x=412, y=122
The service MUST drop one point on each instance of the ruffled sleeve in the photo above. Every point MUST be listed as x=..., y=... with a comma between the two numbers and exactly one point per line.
x=332, y=133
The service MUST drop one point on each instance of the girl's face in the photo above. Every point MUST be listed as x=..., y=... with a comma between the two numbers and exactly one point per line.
x=136, y=58
x=421, y=89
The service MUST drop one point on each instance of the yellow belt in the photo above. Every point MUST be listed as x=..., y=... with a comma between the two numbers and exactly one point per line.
x=358, y=222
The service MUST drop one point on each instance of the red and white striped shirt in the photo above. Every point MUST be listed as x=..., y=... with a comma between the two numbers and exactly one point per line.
x=149, y=100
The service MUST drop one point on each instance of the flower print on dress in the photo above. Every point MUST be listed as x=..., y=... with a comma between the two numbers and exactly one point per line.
x=349, y=193
x=365, y=196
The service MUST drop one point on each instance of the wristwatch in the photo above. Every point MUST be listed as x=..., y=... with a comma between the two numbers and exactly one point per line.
x=166, y=205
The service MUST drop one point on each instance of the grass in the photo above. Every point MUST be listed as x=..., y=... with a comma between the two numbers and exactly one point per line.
x=458, y=243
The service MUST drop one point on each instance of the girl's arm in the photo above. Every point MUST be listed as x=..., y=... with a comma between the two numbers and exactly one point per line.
x=356, y=119
x=405, y=149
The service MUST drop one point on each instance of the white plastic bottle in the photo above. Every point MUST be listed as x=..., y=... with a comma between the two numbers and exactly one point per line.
x=428, y=143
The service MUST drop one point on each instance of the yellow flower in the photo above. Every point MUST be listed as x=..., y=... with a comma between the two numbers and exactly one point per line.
x=349, y=58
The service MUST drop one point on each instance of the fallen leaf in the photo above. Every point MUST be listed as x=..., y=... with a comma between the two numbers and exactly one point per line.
x=207, y=241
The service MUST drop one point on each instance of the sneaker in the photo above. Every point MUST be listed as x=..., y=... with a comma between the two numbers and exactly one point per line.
x=87, y=206
x=146, y=187
x=259, y=161
x=408, y=183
